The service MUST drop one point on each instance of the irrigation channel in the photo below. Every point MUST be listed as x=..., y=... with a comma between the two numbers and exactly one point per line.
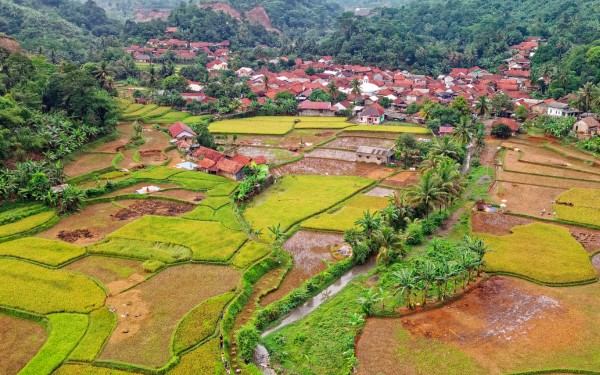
x=261, y=354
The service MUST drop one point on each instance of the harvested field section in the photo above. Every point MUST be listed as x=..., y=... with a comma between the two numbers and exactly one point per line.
x=310, y=250
x=116, y=274
x=273, y=155
x=381, y=192
x=148, y=314
x=84, y=163
x=563, y=183
x=21, y=340
x=512, y=163
x=332, y=154
x=330, y=167
x=402, y=179
x=293, y=139
x=525, y=199
x=500, y=327
x=353, y=143
x=538, y=154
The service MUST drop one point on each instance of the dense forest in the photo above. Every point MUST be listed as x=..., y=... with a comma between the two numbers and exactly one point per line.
x=434, y=36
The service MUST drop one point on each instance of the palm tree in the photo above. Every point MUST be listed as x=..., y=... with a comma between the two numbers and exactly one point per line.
x=103, y=74
x=482, y=105
x=405, y=283
x=356, y=89
x=369, y=223
x=449, y=178
x=587, y=97
x=390, y=245
x=266, y=83
x=427, y=192
x=427, y=273
x=446, y=146
x=464, y=132
x=332, y=89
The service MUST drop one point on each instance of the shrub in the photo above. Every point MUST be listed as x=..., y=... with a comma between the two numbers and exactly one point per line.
x=247, y=338
x=501, y=131
x=414, y=233
x=152, y=265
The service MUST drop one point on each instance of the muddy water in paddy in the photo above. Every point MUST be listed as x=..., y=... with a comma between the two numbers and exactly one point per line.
x=309, y=250
x=332, y=167
x=326, y=153
x=353, y=143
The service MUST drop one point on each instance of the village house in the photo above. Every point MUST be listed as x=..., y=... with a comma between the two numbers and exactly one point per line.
x=183, y=136
x=587, y=126
x=373, y=114
x=217, y=65
x=445, y=130
x=557, y=109
x=308, y=108
x=374, y=155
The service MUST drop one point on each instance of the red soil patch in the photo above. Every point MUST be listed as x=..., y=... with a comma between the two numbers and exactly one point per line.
x=500, y=324
x=331, y=167
x=309, y=249
x=259, y=16
x=225, y=8
x=402, y=179
x=525, y=199
x=152, y=207
x=21, y=340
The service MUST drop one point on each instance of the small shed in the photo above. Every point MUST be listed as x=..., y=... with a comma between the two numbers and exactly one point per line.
x=374, y=155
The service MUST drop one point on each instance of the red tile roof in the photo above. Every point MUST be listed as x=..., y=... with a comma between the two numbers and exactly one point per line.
x=206, y=163
x=241, y=159
x=228, y=166
x=208, y=153
x=307, y=104
x=178, y=128
x=260, y=159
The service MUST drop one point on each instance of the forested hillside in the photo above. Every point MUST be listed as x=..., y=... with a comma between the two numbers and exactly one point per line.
x=64, y=29
x=433, y=36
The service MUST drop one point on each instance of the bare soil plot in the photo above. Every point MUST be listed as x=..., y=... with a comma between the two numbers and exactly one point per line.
x=574, y=152
x=84, y=163
x=537, y=153
x=187, y=195
x=503, y=325
x=488, y=154
x=331, y=167
x=354, y=142
x=500, y=224
x=563, y=183
x=148, y=314
x=326, y=153
x=125, y=129
x=131, y=189
x=295, y=138
x=21, y=340
x=155, y=139
x=95, y=222
x=512, y=163
x=380, y=192
x=273, y=155
x=115, y=273
x=309, y=249
x=525, y=199
x=402, y=179
x=386, y=135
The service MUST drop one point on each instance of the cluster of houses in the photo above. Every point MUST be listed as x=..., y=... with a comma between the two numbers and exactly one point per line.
x=207, y=160
x=184, y=51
